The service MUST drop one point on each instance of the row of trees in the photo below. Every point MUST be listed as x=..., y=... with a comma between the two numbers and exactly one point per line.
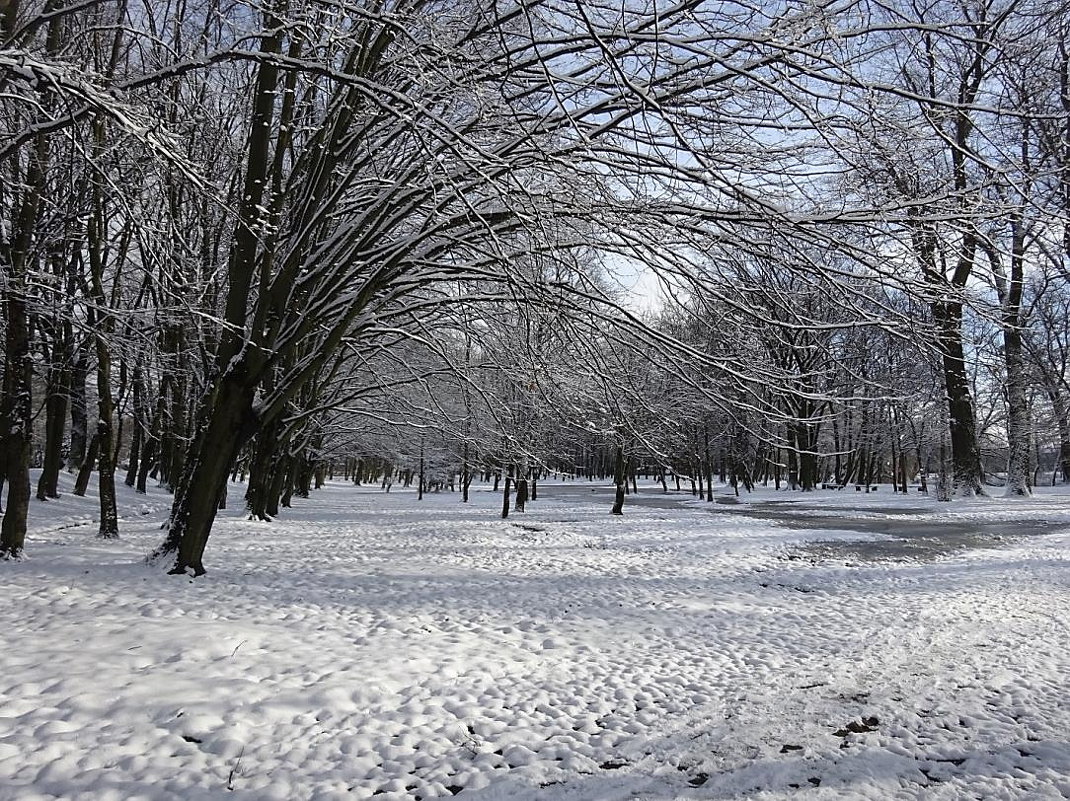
x=272, y=236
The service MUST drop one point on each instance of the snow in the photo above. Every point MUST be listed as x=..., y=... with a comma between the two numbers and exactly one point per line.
x=370, y=644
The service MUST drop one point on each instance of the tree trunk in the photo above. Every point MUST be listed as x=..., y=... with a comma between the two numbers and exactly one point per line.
x=141, y=427
x=81, y=483
x=966, y=469
x=16, y=422
x=521, y=492
x=1062, y=420
x=79, y=409
x=261, y=472
x=466, y=473
x=226, y=422
x=619, y=479
x=420, y=489
x=280, y=474
x=505, y=494
x=1018, y=423
x=105, y=438
x=55, y=427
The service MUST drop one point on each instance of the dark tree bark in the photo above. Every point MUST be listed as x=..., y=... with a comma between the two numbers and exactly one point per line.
x=85, y=471
x=1062, y=421
x=55, y=427
x=521, y=493
x=965, y=455
x=466, y=475
x=262, y=469
x=16, y=404
x=80, y=437
x=420, y=486
x=139, y=435
x=105, y=437
x=16, y=420
x=619, y=479
x=277, y=491
x=225, y=413
x=226, y=424
x=505, y=493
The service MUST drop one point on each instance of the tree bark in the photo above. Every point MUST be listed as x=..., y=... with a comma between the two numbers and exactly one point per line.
x=619, y=479
x=16, y=419
x=261, y=472
x=505, y=494
x=225, y=418
x=521, y=492
x=966, y=472
x=226, y=422
x=105, y=438
x=55, y=427
x=79, y=409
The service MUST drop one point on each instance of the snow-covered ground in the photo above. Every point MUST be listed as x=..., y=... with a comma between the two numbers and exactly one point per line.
x=369, y=644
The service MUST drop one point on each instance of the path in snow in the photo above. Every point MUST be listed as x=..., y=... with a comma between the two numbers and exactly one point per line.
x=369, y=645
x=900, y=529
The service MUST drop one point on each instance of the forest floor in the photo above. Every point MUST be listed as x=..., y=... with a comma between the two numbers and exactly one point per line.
x=837, y=645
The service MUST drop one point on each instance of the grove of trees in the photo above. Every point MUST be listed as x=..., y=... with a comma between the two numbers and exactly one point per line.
x=392, y=241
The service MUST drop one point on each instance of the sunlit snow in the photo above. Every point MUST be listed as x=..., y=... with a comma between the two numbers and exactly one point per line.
x=370, y=644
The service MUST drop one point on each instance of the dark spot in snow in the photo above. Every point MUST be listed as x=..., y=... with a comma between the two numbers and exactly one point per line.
x=536, y=529
x=189, y=738
x=454, y=788
x=815, y=781
x=857, y=727
x=787, y=749
x=698, y=779
x=613, y=764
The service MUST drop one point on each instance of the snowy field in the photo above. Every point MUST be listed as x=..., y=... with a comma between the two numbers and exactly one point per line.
x=370, y=645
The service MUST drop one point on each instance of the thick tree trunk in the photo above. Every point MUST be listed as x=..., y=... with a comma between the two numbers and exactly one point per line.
x=1018, y=424
x=17, y=423
x=16, y=402
x=225, y=416
x=225, y=422
x=280, y=474
x=966, y=472
x=521, y=492
x=261, y=472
